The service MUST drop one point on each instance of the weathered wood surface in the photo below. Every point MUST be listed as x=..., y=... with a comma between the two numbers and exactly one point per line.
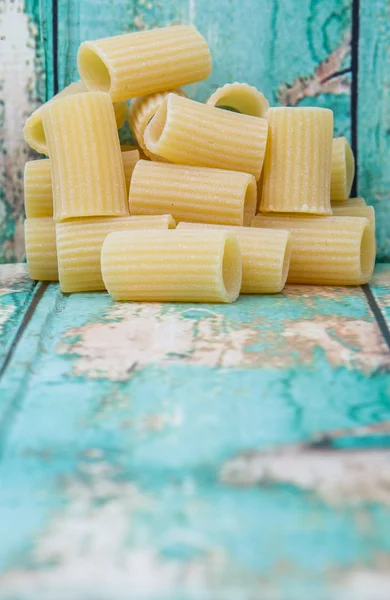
x=198, y=451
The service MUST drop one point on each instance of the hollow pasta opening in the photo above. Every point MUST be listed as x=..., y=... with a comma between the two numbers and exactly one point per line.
x=93, y=70
x=156, y=125
x=367, y=252
x=350, y=162
x=38, y=133
x=250, y=203
x=231, y=267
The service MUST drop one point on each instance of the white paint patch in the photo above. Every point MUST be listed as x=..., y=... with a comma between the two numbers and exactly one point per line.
x=12, y=276
x=6, y=312
x=342, y=477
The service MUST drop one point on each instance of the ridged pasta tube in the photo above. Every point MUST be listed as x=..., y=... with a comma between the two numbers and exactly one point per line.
x=86, y=163
x=142, y=109
x=343, y=169
x=38, y=192
x=33, y=131
x=265, y=256
x=240, y=97
x=358, y=210
x=327, y=250
x=41, y=252
x=79, y=245
x=192, y=193
x=136, y=64
x=187, y=132
x=172, y=266
x=297, y=164
x=352, y=202
x=129, y=159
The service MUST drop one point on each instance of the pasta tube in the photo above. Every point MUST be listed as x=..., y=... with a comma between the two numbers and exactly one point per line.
x=187, y=132
x=297, y=165
x=136, y=64
x=340, y=210
x=79, y=245
x=38, y=193
x=352, y=202
x=88, y=178
x=129, y=159
x=142, y=109
x=41, y=252
x=327, y=250
x=33, y=131
x=240, y=97
x=343, y=169
x=174, y=266
x=192, y=193
x=265, y=257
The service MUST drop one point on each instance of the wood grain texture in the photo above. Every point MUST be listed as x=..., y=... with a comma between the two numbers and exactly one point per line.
x=374, y=115
x=188, y=452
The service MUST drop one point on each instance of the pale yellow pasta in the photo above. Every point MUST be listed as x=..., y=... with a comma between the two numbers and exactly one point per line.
x=86, y=163
x=41, y=252
x=192, y=193
x=136, y=64
x=38, y=193
x=327, y=250
x=187, y=132
x=240, y=97
x=130, y=159
x=33, y=131
x=343, y=169
x=265, y=256
x=351, y=202
x=172, y=266
x=297, y=164
x=126, y=147
x=79, y=245
x=358, y=210
x=142, y=109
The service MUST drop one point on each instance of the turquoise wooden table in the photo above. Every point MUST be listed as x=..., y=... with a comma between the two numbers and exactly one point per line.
x=198, y=452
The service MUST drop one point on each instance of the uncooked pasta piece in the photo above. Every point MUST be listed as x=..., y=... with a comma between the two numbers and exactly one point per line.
x=142, y=109
x=240, y=97
x=172, y=266
x=130, y=159
x=265, y=256
x=327, y=250
x=187, y=132
x=343, y=169
x=79, y=244
x=33, y=131
x=86, y=162
x=344, y=209
x=136, y=64
x=41, y=252
x=297, y=164
x=192, y=193
x=38, y=193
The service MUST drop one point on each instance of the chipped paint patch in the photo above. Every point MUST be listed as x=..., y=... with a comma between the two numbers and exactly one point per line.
x=12, y=277
x=338, y=478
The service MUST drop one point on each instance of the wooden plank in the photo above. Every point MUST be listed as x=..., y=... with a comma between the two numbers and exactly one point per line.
x=21, y=89
x=374, y=114
x=16, y=290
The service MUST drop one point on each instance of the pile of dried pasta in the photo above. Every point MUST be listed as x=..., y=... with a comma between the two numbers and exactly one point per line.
x=174, y=219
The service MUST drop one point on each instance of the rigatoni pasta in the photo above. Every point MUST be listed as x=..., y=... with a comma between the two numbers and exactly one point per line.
x=136, y=64
x=38, y=192
x=129, y=159
x=79, y=244
x=41, y=252
x=343, y=169
x=174, y=266
x=88, y=177
x=240, y=97
x=357, y=210
x=327, y=250
x=142, y=109
x=297, y=165
x=265, y=256
x=352, y=202
x=187, y=132
x=192, y=193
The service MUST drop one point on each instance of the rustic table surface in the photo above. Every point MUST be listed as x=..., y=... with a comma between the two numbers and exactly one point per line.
x=180, y=452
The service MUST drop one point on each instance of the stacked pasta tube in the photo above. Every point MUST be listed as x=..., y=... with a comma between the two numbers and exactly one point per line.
x=101, y=216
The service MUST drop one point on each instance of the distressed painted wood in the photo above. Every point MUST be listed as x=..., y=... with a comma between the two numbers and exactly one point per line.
x=197, y=451
x=374, y=115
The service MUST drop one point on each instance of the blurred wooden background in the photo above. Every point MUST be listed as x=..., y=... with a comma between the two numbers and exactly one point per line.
x=333, y=53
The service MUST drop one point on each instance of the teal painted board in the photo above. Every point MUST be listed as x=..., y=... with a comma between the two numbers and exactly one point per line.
x=16, y=292
x=374, y=115
x=380, y=286
x=22, y=88
x=178, y=451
